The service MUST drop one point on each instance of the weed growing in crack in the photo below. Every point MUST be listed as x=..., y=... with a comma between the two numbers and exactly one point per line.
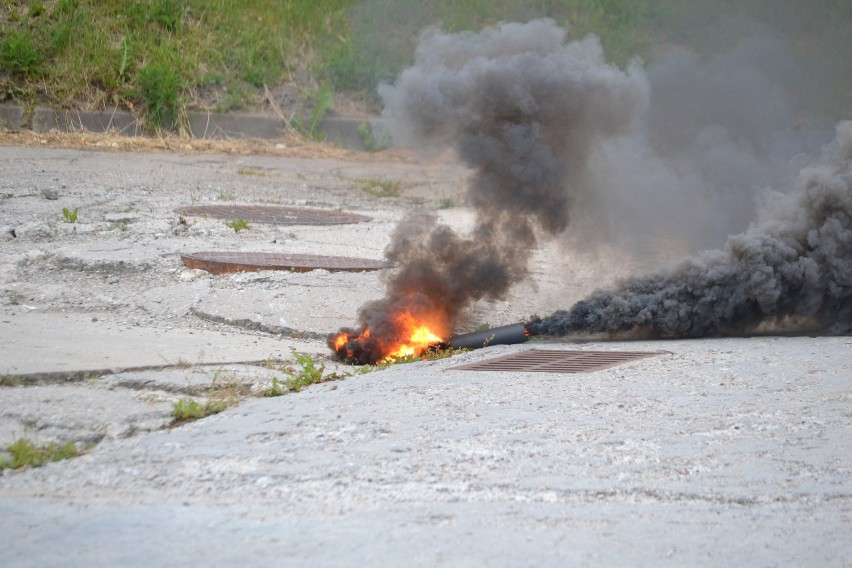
x=188, y=410
x=306, y=373
x=239, y=225
x=276, y=389
x=68, y=215
x=227, y=386
x=225, y=391
x=380, y=188
x=10, y=381
x=25, y=453
x=246, y=171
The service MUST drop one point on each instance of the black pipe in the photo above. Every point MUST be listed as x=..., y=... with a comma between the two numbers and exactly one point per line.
x=504, y=335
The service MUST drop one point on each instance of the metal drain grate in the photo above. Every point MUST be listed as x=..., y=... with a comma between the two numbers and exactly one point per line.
x=273, y=215
x=225, y=262
x=547, y=361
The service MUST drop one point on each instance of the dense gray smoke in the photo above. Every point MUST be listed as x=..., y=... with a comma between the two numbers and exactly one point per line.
x=687, y=151
x=524, y=109
x=792, y=266
x=719, y=131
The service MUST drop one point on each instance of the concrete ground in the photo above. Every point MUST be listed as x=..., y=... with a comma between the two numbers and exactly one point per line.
x=717, y=452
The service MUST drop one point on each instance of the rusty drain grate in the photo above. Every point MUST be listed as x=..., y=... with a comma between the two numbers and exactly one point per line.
x=273, y=215
x=548, y=361
x=225, y=262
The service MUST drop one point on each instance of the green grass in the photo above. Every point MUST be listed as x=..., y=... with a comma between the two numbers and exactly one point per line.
x=275, y=389
x=245, y=171
x=225, y=391
x=10, y=381
x=68, y=215
x=188, y=410
x=239, y=225
x=160, y=58
x=380, y=187
x=320, y=101
x=372, y=143
x=25, y=453
x=306, y=373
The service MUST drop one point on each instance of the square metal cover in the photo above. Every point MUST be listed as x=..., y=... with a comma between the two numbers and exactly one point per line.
x=551, y=361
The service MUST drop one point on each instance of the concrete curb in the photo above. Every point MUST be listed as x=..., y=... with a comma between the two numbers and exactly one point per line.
x=344, y=132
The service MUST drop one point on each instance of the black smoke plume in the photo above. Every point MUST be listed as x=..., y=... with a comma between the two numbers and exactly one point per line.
x=524, y=109
x=791, y=267
x=560, y=141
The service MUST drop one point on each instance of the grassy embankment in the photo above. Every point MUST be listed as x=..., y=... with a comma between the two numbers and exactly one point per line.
x=159, y=58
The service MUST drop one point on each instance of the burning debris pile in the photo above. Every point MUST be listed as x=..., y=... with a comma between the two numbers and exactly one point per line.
x=524, y=109
x=792, y=267
x=554, y=133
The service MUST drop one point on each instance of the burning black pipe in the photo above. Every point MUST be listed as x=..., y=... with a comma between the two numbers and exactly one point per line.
x=504, y=335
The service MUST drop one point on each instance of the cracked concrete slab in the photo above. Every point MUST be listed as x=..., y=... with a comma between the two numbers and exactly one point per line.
x=75, y=344
x=722, y=452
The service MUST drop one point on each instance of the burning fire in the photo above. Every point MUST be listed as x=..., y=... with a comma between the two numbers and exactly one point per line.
x=403, y=334
x=421, y=339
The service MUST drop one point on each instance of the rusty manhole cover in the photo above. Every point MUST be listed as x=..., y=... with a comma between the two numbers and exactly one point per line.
x=273, y=215
x=547, y=361
x=226, y=262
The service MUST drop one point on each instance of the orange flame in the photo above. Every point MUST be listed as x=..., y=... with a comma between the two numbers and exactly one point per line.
x=411, y=336
x=340, y=341
x=421, y=339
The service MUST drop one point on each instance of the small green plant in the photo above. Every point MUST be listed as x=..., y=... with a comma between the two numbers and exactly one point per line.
x=322, y=99
x=188, y=410
x=125, y=59
x=307, y=374
x=118, y=226
x=225, y=391
x=239, y=225
x=225, y=195
x=276, y=389
x=245, y=171
x=68, y=215
x=447, y=203
x=10, y=381
x=371, y=142
x=380, y=188
x=25, y=453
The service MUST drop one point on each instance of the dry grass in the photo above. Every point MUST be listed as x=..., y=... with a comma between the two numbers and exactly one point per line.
x=291, y=145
